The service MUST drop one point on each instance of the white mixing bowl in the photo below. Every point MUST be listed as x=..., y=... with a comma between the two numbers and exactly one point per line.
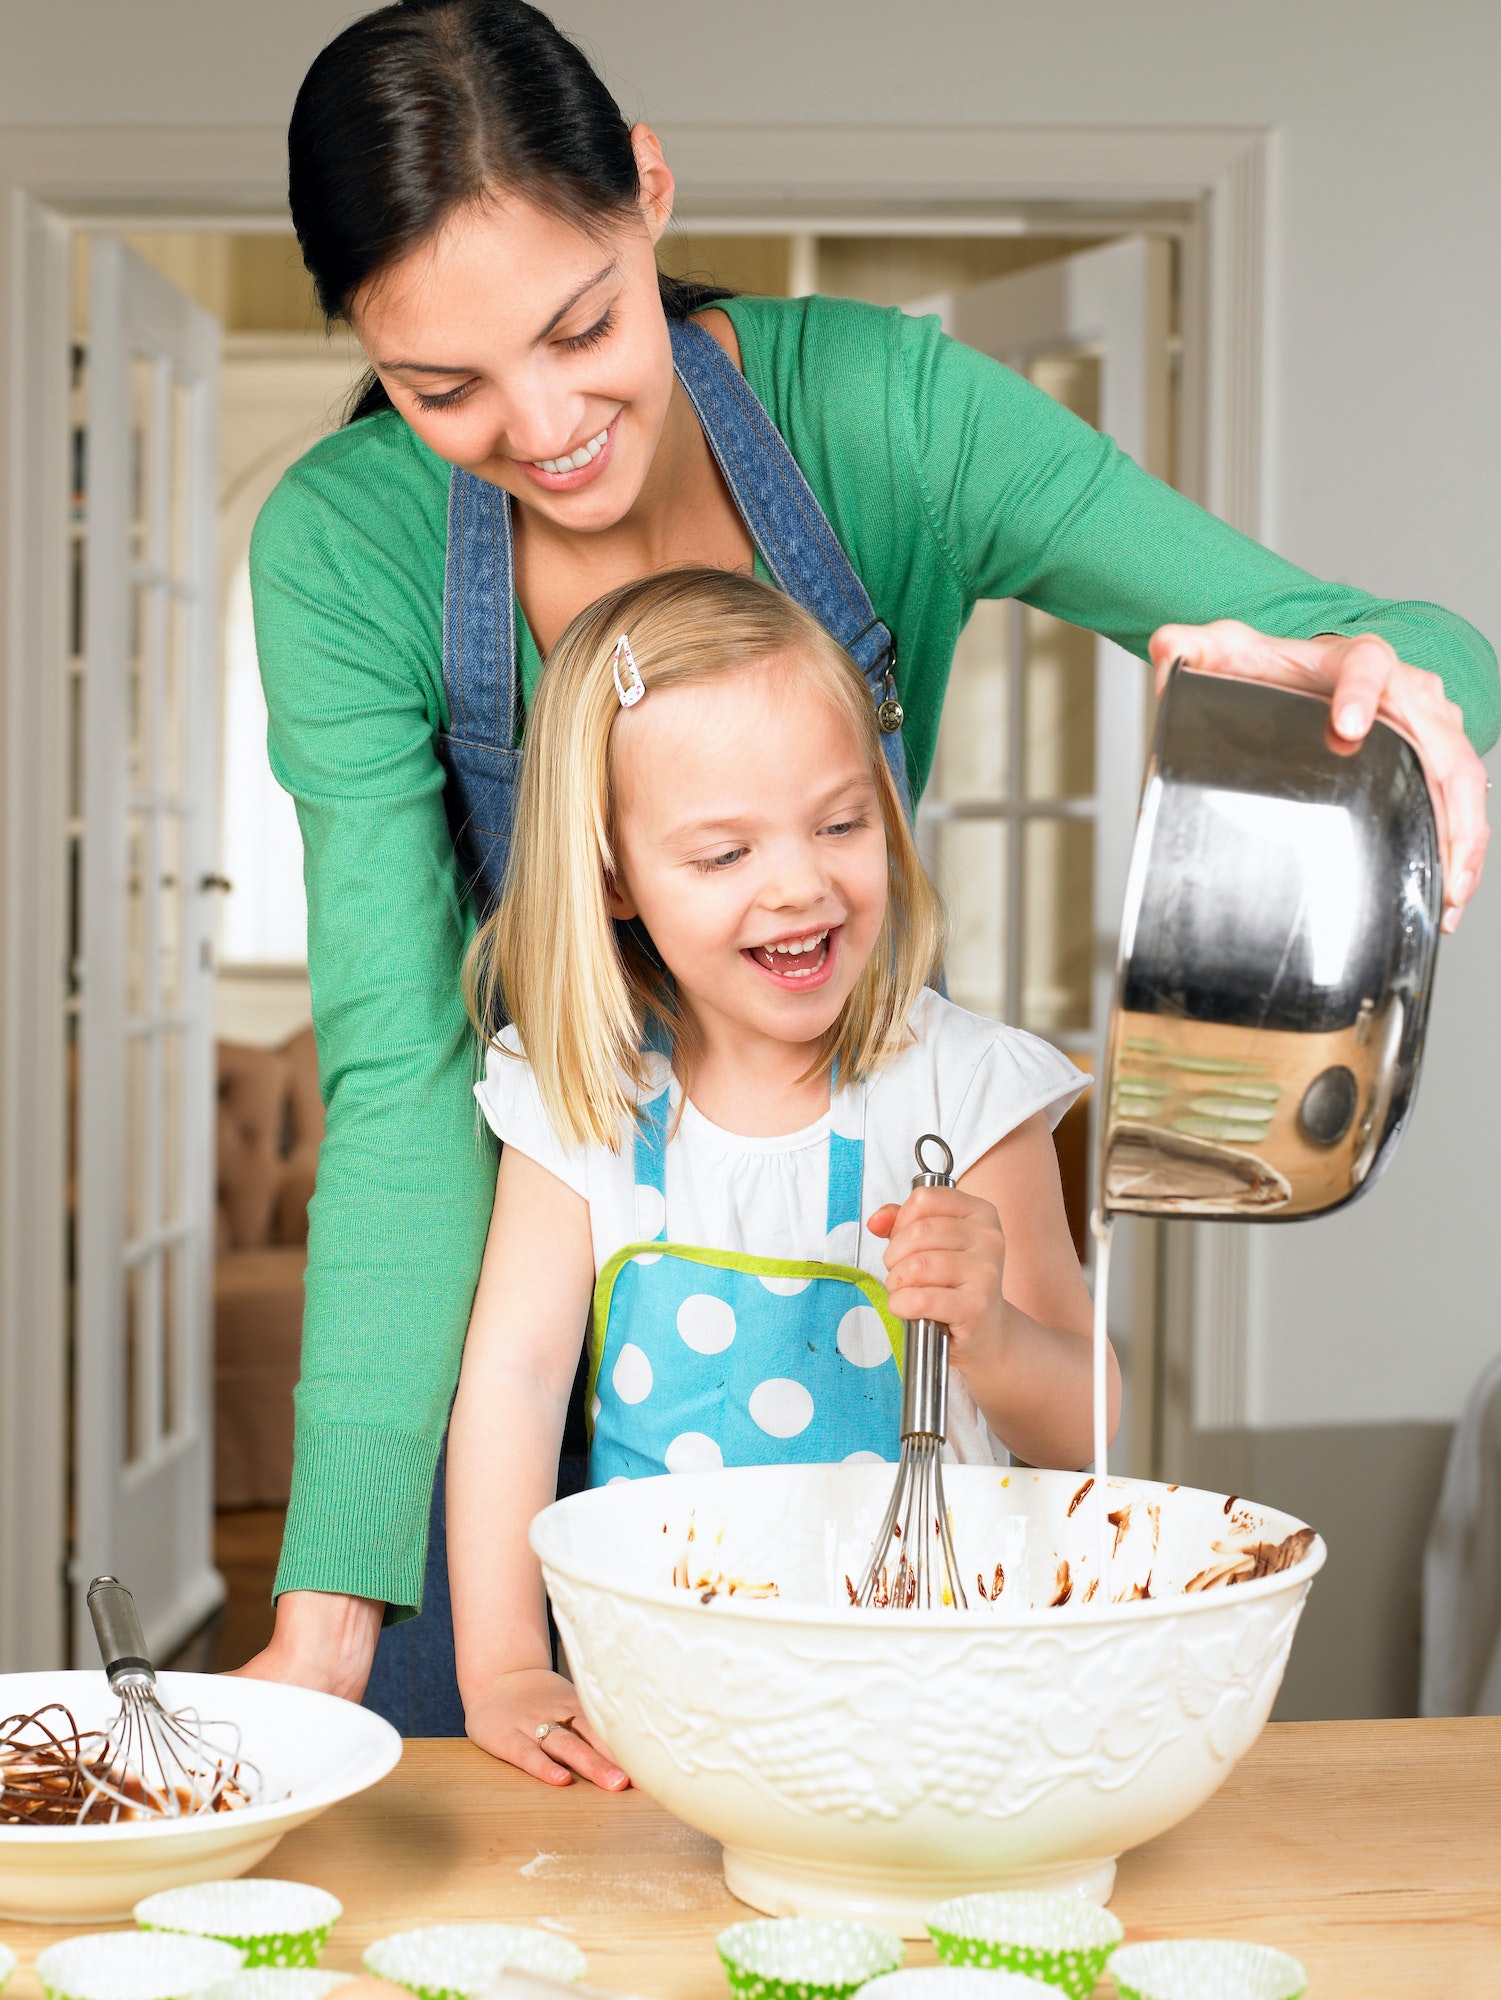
x=312, y=1750
x=870, y=1764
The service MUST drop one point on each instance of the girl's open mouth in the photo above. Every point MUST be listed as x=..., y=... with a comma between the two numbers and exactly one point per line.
x=579, y=468
x=799, y=962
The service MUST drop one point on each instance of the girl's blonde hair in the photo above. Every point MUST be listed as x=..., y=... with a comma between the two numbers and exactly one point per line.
x=584, y=990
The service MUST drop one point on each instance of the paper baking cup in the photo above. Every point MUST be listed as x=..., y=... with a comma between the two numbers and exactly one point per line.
x=275, y=1982
x=805, y=1958
x=1206, y=1969
x=270, y=1923
x=953, y=1982
x=7, y=1963
x=134, y=1965
x=1061, y=1940
x=462, y=1961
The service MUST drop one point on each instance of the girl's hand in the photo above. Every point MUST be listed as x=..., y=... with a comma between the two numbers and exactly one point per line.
x=506, y=1718
x=1363, y=678
x=945, y=1260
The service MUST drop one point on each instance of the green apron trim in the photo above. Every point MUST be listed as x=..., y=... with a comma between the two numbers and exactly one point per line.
x=726, y=1260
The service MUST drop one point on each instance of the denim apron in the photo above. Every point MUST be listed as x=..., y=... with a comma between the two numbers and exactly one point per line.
x=413, y=1683
x=700, y=1358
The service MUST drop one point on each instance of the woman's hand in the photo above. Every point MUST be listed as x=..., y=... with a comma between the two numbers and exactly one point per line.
x=322, y=1640
x=1363, y=678
x=507, y=1718
x=945, y=1260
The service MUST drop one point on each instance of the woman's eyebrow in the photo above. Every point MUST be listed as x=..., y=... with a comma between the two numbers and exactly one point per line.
x=451, y=368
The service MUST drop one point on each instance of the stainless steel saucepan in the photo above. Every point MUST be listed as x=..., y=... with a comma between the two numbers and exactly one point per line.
x=1276, y=961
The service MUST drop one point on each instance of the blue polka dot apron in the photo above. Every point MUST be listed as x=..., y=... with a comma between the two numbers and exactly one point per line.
x=702, y=1358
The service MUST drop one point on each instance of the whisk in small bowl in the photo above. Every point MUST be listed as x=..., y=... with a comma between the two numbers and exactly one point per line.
x=912, y=1564
x=155, y=1762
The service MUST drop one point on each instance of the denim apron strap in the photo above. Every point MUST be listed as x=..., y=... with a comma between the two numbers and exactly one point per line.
x=789, y=527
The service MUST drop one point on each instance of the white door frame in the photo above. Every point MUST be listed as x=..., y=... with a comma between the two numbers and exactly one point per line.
x=1214, y=185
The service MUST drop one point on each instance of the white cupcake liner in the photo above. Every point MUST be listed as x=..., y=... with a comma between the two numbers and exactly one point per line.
x=805, y=1958
x=278, y=1982
x=272, y=1923
x=7, y=1963
x=1063, y=1941
x=955, y=1982
x=134, y=1965
x=462, y=1961
x=1206, y=1969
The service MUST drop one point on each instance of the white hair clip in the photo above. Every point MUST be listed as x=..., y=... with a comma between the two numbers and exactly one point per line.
x=631, y=687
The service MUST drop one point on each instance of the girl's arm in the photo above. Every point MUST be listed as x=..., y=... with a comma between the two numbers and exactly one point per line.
x=522, y=1349
x=993, y=1260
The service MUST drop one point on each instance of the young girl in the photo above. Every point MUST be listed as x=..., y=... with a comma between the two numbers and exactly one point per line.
x=715, y=946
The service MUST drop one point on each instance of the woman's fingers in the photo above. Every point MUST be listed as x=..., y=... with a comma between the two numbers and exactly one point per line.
x=1363, y=678
x=569, y=1745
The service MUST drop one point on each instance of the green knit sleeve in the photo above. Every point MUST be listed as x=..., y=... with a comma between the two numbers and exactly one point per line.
x=1028, y=501
x=346, y=569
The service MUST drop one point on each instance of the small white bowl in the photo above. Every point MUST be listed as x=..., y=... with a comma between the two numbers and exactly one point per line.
x=462, y=1961
x=1206, y=1969
x=278, y=1982
x=279, y=1924
x=134, y=1965
x=312, y=1750
x=955, y=1982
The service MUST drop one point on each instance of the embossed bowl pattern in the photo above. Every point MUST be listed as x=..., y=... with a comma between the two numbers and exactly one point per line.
x=870, y=1764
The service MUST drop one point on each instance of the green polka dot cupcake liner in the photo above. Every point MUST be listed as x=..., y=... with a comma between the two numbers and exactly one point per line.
x=7, y=1963
x=462, y=1961
x=271, y=1923
x=278, y=1982
x=1206, y=1969
x=805, y=1958
x=1062, y=1941
x=134, y=1965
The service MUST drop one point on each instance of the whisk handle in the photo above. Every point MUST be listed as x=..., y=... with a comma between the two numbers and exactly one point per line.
x=122, y=1644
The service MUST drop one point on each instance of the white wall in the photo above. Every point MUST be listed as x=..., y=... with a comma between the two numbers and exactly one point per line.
x=1383, y=429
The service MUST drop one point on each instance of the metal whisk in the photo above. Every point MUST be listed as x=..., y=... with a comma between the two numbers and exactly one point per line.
x=156, y=1762
x=915, y=1543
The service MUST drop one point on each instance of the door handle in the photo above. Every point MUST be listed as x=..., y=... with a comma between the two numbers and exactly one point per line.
x=221, y=883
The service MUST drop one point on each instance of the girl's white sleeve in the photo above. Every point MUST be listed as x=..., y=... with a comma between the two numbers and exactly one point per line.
x=507, y=1094
x=995, y=1078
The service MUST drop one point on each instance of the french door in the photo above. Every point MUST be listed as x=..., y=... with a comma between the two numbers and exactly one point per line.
x=143, y=1227
x=1028, y=817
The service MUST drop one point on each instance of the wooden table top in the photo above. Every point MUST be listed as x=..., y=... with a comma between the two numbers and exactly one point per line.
x=1370, y=1850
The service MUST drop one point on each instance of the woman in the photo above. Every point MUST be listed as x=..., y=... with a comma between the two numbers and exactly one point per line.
x=546, y=420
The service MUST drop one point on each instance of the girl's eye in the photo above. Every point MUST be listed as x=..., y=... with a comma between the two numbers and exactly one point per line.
x=716, y=863
x=575, y=343
x=449, y=400
x=847, y=825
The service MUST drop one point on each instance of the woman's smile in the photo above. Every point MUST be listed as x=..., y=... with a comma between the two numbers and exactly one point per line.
x=576, y=468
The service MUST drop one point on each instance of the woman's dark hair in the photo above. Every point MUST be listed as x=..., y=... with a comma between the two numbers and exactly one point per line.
x=420, y=108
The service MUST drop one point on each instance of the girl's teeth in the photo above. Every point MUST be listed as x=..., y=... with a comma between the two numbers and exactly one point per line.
x=770, y=953
x=583, y=456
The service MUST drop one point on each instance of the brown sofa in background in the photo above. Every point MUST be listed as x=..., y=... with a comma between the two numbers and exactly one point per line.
x=269, y=1128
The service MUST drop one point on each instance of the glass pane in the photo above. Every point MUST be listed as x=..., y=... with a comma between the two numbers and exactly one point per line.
x=971, y=875
x=133, y=1332
x=172, y=1049
x=175, y=686
x=973, y=755
x=169, y=910
x=1057, y=925
x=1060, y=668
x=174, y=1274
x=144, y=471
x=181, y=418
x=138, y=1216
x=137, y=875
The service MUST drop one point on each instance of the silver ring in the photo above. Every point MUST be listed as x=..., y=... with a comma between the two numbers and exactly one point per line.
x=545, y=1729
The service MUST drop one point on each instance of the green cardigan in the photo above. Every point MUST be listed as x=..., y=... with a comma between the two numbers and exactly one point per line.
x=947, y=478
